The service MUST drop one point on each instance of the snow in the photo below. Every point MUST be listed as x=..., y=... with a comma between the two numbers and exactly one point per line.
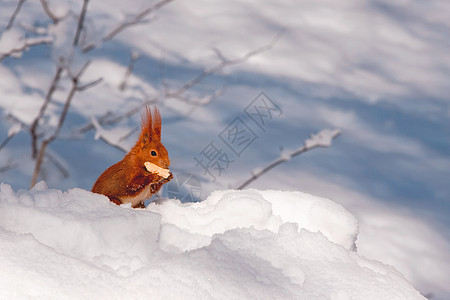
x=14, y=129
x=12, y=42
x=375, y=70
x=322, y=139
x=234, y=245
x=9, y=40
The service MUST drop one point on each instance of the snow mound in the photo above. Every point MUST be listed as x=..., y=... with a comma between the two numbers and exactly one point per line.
x=230, y=209
x=234, y=245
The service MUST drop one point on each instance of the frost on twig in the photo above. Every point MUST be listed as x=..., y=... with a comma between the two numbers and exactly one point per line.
x=76, y=87
x=109, y=137
x=181, y=93
x=128, y=22
x=13, y=130
x=13, y=44
x=223, y=63
x=322, y=139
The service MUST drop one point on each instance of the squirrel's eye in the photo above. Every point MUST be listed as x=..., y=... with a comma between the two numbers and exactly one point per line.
x=153, y=153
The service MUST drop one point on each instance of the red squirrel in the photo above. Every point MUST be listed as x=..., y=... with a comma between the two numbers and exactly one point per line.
x=129, y=181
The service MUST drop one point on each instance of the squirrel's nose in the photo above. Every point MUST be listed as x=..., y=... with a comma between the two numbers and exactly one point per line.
x=165, y=164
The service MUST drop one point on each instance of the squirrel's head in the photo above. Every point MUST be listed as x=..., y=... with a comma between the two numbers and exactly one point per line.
x=149, y=147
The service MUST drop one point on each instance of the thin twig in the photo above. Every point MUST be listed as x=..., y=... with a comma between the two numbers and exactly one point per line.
x=89, y=84
x=14, y=14
x=114, y=145
x=52, y=158
x=49, y=13
x=80, y=24
x=133, y=58
x=220, y=66
x=135, y=20
x=109, y=119
x=74, y=88
x=27, y=44
x=163, y=72
x=51, y=90
x=6, y=141
x=12, y=132
x=283, y=158
x=8, y=166
x=128, y=134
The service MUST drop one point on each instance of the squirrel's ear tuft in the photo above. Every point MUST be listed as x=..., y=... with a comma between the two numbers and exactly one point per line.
x=146, y=126
x=156, y=124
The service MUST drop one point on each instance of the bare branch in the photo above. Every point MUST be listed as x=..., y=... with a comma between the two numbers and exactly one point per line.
x=80, y=23
x=117, y=146
x=51, y=90
x=14, y=14
x=100, y=134
x=39, y=160
x=49, y=13
x=162, y=73
x=125, y=25
x=128, y=134
x=6, y=141
x=26, y=44
x=74, y=88
x=89, y=85
x=10, y=165
x=13, y=130
x=220, y=66
x=219, y=54
x=322, y=139
x=52, y=158
x=135, y=20
x=133, y=58
x=109, y=119
x=196, y=101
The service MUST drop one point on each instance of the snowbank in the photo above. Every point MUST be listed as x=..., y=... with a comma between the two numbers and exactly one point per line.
x=234, y=245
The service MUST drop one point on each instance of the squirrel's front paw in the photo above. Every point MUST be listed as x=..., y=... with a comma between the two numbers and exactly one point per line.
x=137, y=184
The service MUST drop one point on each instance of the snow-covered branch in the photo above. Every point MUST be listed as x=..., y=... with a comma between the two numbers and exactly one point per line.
x=108, y=137
x=49, y=12
x=180, y=94
x=20, y=46
x=76, y=87
x=130, y=21
x=43, y=108
x=224, y=62
x=322, y=139
x=15, y=129
x=14, y=14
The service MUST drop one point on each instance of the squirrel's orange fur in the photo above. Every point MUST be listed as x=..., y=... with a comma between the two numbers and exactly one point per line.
x=128, y=180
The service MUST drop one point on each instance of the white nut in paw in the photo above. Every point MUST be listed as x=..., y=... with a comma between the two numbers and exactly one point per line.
x=152, y=168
